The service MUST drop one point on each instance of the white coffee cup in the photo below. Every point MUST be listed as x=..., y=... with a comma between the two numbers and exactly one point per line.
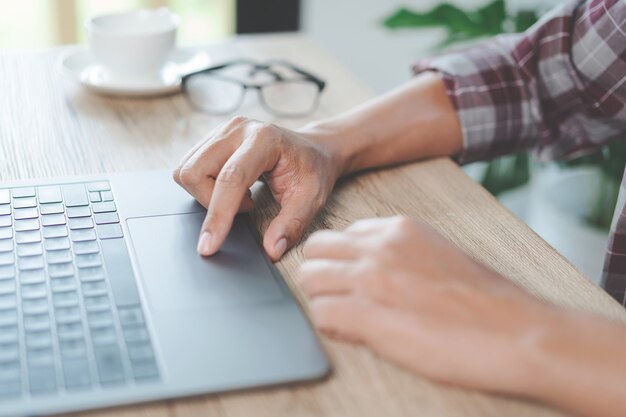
x=133, y=44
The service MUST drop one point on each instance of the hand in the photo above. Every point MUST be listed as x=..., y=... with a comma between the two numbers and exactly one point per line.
x=220, y=170
x=407, y=293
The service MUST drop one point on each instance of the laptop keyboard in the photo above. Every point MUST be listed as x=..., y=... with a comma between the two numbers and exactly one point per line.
x=70, y=314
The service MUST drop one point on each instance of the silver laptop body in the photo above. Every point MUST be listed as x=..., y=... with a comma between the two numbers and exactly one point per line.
x=104, y=300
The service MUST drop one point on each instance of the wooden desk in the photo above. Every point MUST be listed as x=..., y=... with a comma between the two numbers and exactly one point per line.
x=49, y=127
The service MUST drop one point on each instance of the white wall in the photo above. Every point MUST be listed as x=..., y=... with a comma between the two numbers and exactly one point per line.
x=352, y=30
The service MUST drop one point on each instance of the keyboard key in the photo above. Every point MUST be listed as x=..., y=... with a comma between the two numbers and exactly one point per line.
x=42, y=379
x=7, y=301
x=94, y=197
x=29, y=249
x=53, y=219
x=6, y=245
x=106, y=196
x=140, y=353
x=23, y=202
x=33, y=276
x=57, y=243
x=7, y=258
x=38, y=357
x=73, y=348
x=91, y=274
x=104, y=207
x=121, y=275
x=7, y=286
x=6, y=232
x=31, y=291
x=109, y=362
x=30, y=262
x=80, y=223
x=97, y=303
x=38, y=341
x=5, y=209
x=100, y=319
x=106, y=218
x=7, y=272
x=26, y=224
x=109, y=231
x=89, y=260
x=63, y=284
x=10, y=371
x=35, y=306
x=26, y=213
x=60, y=270
x=99, y=186
x=7, y=318
x=78, y=212
x=70, y=331
x=65, y=299
x=9, y=335
x=9, y=352
x=130, y=316
x=50, y=194
x=67, y=314
x=76, y=372
x=136, y=335
x=51, y=208
x=54, y=231
x=5, y=196
x=59, y=256
x=37, y=322
x=10, y=389
x=6, y=221
x=23, y=192
x=83, y=235
x=103, y=336
x=87, y=247
x=75, y=195
x=30, y=236
x=145, y=370
x=94, y=288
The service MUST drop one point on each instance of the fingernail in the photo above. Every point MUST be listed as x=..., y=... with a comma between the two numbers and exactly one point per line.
x=204, y=244
x=280, y=247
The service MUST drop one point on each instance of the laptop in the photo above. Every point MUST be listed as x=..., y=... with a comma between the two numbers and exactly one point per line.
x=104, y=300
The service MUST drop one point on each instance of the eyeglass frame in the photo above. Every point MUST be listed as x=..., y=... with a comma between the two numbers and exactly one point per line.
x=258, y=66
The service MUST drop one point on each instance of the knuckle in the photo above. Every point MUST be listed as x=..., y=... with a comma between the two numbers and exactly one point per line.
x=374, y=284
x=188, y=176
x=237, y=121
x=231, y=175
x=322, y=312
x=176, y=176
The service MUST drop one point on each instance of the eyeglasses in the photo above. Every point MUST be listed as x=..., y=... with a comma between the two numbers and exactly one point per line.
x=283, y=88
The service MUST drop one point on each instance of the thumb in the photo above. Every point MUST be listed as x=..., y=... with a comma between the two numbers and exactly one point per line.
x=287, y=228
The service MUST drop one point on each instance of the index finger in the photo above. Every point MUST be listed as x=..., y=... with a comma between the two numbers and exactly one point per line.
x=243, y=168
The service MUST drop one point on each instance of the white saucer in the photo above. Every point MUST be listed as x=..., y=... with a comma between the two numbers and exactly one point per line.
x=81, y=66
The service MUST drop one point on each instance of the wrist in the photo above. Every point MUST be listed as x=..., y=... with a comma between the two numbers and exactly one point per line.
x=339, y=142
x=575, y=362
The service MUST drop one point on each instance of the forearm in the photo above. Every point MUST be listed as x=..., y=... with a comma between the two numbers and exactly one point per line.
x=413, y=122
x=579, y=365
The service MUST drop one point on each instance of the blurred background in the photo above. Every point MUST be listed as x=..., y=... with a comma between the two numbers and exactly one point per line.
x=570, y=204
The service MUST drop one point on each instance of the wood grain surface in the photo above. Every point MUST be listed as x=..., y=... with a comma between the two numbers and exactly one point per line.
x=52, y=127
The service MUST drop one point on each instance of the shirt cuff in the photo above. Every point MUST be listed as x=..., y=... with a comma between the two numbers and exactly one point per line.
x=494, y=120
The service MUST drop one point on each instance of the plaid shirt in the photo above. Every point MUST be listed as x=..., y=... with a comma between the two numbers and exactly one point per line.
x=559, y=88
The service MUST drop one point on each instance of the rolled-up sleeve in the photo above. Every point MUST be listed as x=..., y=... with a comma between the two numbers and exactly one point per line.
x=558, y=88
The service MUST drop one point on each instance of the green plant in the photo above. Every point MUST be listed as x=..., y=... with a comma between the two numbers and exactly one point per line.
x=509, y=172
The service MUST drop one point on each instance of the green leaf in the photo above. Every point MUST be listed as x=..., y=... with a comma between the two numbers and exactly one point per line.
x=460, y=24
x=506, y=173
x=524, y=20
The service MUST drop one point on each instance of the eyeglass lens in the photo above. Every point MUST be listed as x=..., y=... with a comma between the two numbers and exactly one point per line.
x=221, y=92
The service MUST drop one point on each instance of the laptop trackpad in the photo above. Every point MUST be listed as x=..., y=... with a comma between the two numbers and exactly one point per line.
x=177, y=278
